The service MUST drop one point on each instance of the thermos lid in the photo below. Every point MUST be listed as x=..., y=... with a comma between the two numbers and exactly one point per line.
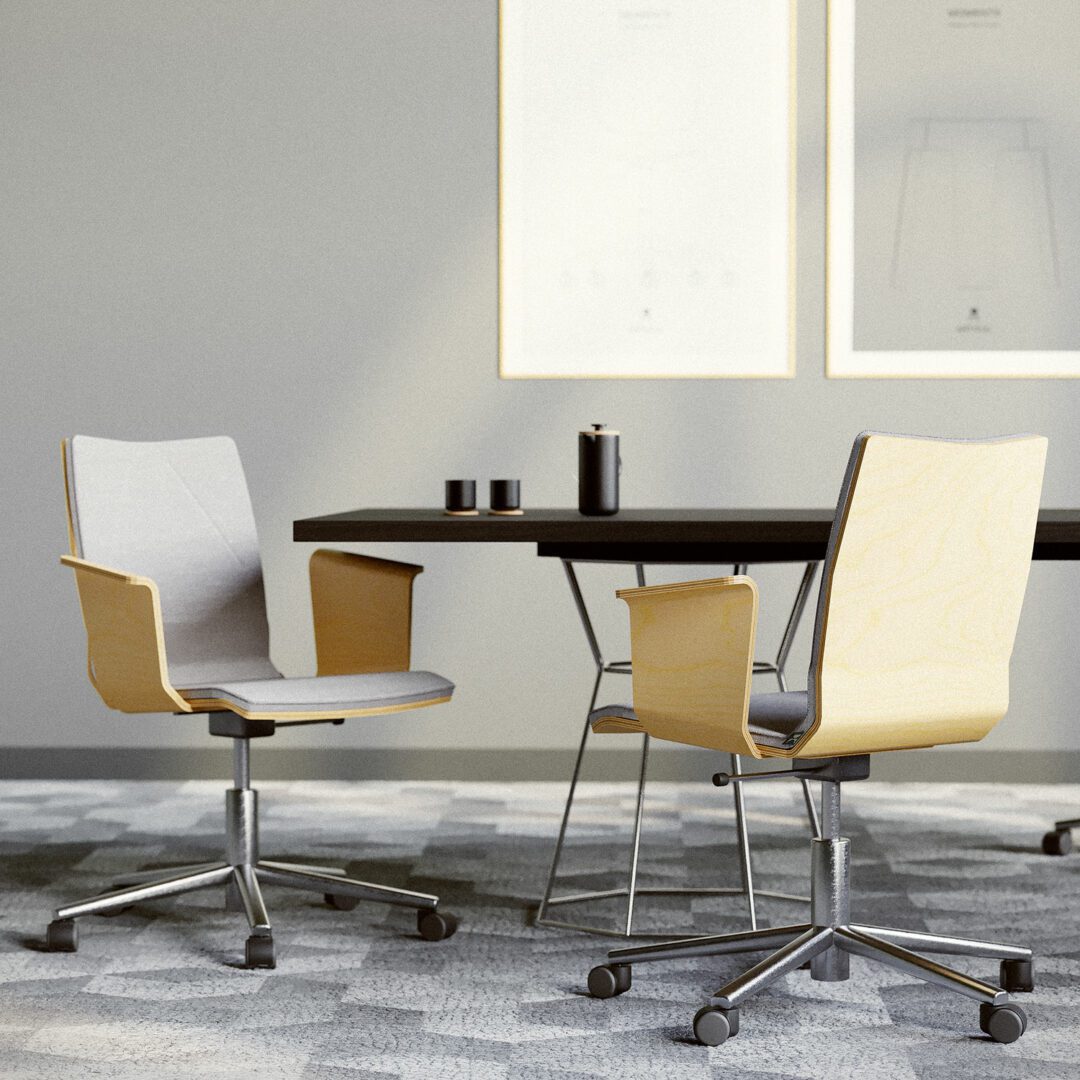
x=599, y=429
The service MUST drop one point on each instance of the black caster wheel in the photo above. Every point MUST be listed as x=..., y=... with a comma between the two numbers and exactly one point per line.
x=714, y=1025
x=609, y=980
x=62, y=936
x=1017, y=976
x=436, y=925
x=342, y=903
x=259, y=952
x=1003, y=1023
x=1057, y=842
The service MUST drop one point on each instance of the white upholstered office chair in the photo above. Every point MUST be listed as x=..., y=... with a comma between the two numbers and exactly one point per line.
x=924, y=579
x=167, y=564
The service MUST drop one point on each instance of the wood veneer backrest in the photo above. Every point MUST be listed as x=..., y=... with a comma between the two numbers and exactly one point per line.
x=922, y=591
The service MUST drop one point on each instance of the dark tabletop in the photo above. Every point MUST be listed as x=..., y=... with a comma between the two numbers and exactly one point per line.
x=686, y=535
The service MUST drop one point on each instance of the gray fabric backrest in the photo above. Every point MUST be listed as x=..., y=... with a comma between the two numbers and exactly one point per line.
x=179, y=513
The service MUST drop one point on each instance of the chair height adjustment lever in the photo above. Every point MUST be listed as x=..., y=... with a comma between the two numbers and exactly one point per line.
x=838, y=769
x=722, y=779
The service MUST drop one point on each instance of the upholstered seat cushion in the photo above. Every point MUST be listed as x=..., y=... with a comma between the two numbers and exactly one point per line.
x=326, y=694
x=773, y=717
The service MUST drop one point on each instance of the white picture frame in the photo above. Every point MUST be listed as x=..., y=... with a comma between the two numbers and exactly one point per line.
x=646, y=189
x=953, y=228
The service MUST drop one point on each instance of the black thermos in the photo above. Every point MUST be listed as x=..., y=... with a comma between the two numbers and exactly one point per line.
x=598, y=471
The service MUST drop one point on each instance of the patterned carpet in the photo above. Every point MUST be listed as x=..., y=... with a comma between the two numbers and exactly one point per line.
x=157, y=992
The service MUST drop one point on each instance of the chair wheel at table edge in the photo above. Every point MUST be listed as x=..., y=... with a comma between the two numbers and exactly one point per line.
x=259, y=952
x=436, y=925
x=609, y=980
x=1017, y=976
x=340, y=902
x=62, y=936
x=1003, y=1023
x=1057, y=842
x=714, y=1025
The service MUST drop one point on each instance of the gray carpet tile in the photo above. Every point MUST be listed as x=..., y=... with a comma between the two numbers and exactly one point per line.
x=159, y=991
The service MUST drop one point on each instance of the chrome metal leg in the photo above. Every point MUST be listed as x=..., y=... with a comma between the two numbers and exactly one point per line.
x=794, y=954
x=743, y=833
x=303, y=867
x=311, y=880
x=251, y=899
x=937, y=943
x=876, y=948
x=715, y=945
x=811, y=809
x=171, y=885
x=782, y=654
x=545, y=900
x=632, y=891
x=639, y=811
x=139, y=877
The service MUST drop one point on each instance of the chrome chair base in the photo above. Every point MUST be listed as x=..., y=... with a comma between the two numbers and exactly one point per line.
x=632, y=891
x=824, y=946
x=244, y=873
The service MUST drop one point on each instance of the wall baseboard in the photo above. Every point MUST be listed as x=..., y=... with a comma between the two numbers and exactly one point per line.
x=213, y=763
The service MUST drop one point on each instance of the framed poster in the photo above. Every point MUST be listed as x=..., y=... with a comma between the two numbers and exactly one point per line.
x=953, y=179
x=646, y=188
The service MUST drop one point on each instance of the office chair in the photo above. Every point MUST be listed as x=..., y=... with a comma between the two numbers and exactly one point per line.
x=167, y=565
x=923, y=582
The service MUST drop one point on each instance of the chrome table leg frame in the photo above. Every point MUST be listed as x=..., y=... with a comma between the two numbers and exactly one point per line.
x=632, y=890
x=825, y=944
x=243, y=873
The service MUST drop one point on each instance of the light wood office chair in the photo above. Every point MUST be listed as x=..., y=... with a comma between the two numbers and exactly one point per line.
x=923, y=583
x=167, y=564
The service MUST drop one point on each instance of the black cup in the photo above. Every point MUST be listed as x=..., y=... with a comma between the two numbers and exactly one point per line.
x=505, y=495
x=460, y=495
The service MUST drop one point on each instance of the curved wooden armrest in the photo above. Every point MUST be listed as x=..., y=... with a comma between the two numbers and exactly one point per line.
x=125, y=639
x=363, y=612
x=692, y=646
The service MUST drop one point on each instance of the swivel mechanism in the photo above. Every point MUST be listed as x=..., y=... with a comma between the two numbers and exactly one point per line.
x=243, y=874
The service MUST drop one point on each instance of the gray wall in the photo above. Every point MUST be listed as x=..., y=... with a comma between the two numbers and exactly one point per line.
x=278, y=220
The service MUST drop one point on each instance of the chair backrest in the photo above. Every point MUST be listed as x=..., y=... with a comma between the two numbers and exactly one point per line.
x=920, y=598
x=179, y=513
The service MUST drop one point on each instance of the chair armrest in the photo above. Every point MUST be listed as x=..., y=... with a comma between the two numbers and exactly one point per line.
x=692, y=646
x=125, y=639
x=362, y=608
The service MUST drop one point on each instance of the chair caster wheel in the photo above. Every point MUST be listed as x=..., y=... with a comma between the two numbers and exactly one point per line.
x=609, y=980
x=714, y=1025
x=1057, y=842
x=62, y=936
x=259, y=952
x=1017, y=976
x=1003, y=1023
x=342, y=903
x=436, y=925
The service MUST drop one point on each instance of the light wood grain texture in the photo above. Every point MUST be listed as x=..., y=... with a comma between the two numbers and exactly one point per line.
x=125, y=639
x=362, y=610
x=221, y=705
x=925, y=592
x=693, y=654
